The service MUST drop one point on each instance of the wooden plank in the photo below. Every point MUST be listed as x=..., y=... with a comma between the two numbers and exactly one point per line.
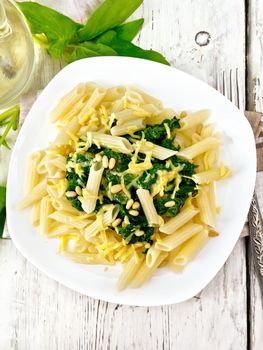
x=255, y=102
x=38, y=313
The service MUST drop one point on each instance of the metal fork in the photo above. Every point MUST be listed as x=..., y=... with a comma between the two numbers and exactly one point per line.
x=229, y=85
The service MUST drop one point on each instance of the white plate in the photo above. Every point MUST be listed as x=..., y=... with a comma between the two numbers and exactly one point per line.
x=181, y=92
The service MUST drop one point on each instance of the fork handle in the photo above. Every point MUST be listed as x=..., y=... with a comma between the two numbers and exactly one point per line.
x=255, y=224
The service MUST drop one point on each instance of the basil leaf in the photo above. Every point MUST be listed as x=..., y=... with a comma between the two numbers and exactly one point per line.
x=106, y=38
x=126, y=48
x=108, y=15
x=88, y=49
x=58, y=29
x=128, y=31
x=2, y=209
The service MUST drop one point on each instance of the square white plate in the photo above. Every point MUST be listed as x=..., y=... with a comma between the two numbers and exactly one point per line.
x=177, y=90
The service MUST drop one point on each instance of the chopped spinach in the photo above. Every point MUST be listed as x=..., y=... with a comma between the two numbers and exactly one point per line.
x=128, y=233
x=149, y=177
x=122, y=160
x=159, y=204
x=188, y=169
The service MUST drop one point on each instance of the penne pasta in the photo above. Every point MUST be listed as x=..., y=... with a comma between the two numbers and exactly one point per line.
x=103, y=222
x=192, y=120
x=128, y=128
x=158, y=152
x=199, y=148
x=145, y=272
x=207, y=209
x=113, y=188
x=148, y=207
x=185, y=215
x=130, y=269
x=116, y=143
x=189, y=250
x=90, y=193
x=37, y=193
x=178, y=237
x=45, y=211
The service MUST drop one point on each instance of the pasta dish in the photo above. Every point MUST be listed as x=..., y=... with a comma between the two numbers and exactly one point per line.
x=126, y=180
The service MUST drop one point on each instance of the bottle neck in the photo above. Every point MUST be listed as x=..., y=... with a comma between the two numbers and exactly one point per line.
x=5, y=29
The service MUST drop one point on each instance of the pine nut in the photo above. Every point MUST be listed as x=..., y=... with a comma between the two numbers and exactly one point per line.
x=71, y=194
x=147, y=245
x=98, y=157
x=116, y=188
x=136, y=205
x=112, y=163
x=78, y=190
x=134, y=212
x=116, y=222
x=169, y=204
x=129, y=204
x=139, y=233
x=105, y=162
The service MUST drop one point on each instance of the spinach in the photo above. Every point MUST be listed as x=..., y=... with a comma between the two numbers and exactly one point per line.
x=159, y=204
x=149, y=177
x=188, y=169
x=113, y=178
x=128, y=233
x=108, y=15
x=120, y=198
x=76, y=203
x=128, y=178
x=59, y=30
x=157, y=133
x=122, y=160
x=2, y=209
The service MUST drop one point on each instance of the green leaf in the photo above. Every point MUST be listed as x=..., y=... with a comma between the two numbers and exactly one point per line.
x=2, y=197
x=2, y=222
x=128, y=31
x=88, y=49
x=58, y=29
x=108, y=15
x=126, y=48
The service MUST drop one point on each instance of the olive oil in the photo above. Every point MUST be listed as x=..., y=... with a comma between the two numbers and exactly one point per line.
x=16, y=52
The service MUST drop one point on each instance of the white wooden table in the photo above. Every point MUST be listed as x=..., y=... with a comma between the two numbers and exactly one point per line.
x=38, y=313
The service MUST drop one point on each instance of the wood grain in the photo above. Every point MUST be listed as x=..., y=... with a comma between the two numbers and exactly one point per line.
x=38, y=313
x=255, y=102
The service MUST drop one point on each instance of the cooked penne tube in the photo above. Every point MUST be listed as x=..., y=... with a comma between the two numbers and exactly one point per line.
x=127, y=128
x=90, y=193
x=207, y=209
x=102, y=222
x=45, y=211
x=69, y=219
x=199, y=148
x=148, y=207
x=145, y=272
x=146, y=97
x=130, y=269
x=33, y=176
x=185, y=215
x=37, y=193
x=119, y=144
x=152, y=255
x=192, y=120
x=114, y=93
x=68, y=101
x=189, y=249
x=178, y=237
x=158, y=152
x=63, y=136
x=35, y=218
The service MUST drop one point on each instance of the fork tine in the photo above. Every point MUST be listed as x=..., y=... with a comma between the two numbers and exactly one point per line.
x=225, y=87
x=239, y=92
